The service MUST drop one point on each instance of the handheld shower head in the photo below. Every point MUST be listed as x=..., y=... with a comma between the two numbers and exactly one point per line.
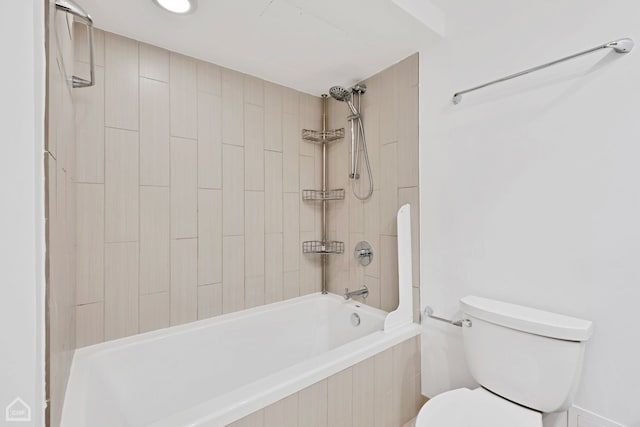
x=341, y=94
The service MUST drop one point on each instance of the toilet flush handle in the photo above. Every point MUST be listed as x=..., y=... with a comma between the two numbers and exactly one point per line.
x=428, y=312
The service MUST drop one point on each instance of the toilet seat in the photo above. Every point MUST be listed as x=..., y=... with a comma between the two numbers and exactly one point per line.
x=475, y=408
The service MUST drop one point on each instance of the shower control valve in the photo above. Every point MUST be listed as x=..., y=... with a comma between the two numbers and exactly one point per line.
x=363, y=253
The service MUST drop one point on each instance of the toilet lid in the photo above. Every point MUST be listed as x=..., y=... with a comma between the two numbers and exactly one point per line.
x=475, y=408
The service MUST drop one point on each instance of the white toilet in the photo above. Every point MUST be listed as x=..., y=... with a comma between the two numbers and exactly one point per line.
x=527, y=361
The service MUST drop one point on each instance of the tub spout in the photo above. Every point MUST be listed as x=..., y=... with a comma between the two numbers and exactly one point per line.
x=364, y=291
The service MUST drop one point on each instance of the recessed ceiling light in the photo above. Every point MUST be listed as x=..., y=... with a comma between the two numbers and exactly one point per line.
x=176, y=6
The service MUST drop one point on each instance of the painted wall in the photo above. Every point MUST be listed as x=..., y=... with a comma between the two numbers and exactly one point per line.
x=530, y=190
x=21, y=220
x=189, y=179
x=60, y=169
x=390, y=115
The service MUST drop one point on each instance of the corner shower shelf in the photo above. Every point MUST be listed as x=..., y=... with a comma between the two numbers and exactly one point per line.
x=319, y=195
x=322, y=247
x=322, y=136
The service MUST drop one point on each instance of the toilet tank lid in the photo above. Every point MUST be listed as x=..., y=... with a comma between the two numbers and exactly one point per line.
x=527, y=319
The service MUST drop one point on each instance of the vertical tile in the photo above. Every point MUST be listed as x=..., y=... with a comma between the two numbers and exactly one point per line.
x=373, y=284
x=312, y=405
x=121, y=186
x=363, y=393
x=209, y=301
x=406, y=381
x=291, y=284
x=182, y=83
x=232, y=108
x=209, y=236
x=209, y=141
x=272, y=117
x=155, y=248
x=154, y=62
x=291, y=235
x=253, y=420
x=121, y=290
x=283, y=413
x=408, y=137
x=290, y=101
x=209, y=78
x=273, y=192
x=182, y=72
x=371, y=119
x=233, y=190
x=121, y=82
x=412, y=196
x=253, y=291
x=89, y=127
x=89, y=324
x=416, y=305
x=388, y=108
x=356, y=207
x=254, y=233
x=184, y=281
x=184, y=188
x=340, y=399
x=407, y=70
x=310, y=118
x=372, y=230
x=307, y=182
x=310, y=265
x=383, y=389
x=81, y=45
x=273, y=268
x=155, y=311
x=290, y=153
x=389, y=190
x=90, y=243
x=232, y=273
x=253, y=147
x=154, y=132
x=253, y=90
x=389, y=273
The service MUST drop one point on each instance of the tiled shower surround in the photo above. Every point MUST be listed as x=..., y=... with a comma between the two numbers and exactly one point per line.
x=189, y=180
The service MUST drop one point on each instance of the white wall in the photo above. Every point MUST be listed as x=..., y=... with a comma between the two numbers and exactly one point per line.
x=530, y=191
x=21, y=216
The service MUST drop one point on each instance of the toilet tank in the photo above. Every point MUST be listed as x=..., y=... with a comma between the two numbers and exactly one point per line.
x=529, y=356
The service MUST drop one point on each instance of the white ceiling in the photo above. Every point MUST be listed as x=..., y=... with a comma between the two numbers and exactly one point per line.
x=308, y=45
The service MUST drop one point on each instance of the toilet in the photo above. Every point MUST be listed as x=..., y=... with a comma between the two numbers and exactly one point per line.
x=527, y=362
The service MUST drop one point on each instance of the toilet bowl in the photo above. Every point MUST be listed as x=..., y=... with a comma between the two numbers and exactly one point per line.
x=475, y=408
x=527, y=361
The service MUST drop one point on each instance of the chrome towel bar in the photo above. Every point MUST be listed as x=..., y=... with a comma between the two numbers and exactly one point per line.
x=71, y=7
x=428, y=312
x=620, y=46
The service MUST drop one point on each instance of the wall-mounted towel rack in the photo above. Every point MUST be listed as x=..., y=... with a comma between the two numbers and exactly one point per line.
x=620, y=46
x=69, y=6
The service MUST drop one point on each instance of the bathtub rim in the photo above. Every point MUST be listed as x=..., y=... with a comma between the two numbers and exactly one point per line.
x=271, y=388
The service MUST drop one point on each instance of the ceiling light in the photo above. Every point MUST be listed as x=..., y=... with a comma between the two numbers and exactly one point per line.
x=176, y=6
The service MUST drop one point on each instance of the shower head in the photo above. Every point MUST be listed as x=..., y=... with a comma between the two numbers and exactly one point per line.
x=341, y=94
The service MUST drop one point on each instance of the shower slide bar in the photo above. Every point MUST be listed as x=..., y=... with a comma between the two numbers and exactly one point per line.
x=71, y=7
x=619, y=46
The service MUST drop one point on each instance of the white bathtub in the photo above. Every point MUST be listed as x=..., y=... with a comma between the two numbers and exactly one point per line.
x=216, y=371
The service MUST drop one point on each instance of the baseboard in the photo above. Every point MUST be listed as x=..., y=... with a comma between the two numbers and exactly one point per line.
x=579, y=417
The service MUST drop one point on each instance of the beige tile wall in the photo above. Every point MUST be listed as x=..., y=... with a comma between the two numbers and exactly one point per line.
x=189, y=179
x=60, y=212
x=382, y=391
x=390, y=116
